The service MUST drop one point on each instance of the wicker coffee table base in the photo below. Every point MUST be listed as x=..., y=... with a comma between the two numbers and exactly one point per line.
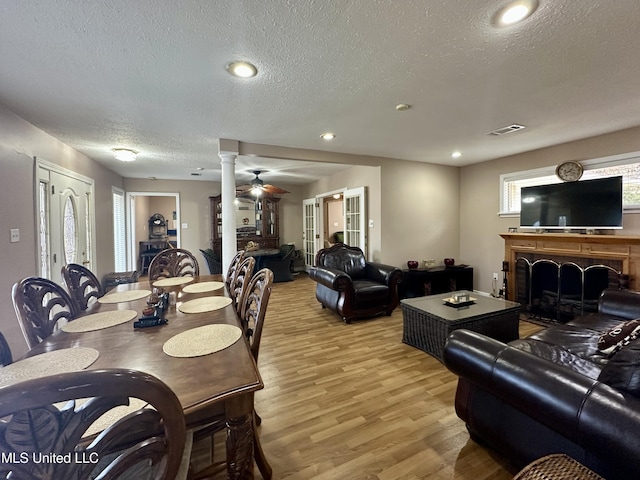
x=556, y=467
x=429, y=333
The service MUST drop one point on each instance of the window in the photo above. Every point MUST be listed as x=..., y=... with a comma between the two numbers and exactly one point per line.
x=627, y=165
x=119, y=240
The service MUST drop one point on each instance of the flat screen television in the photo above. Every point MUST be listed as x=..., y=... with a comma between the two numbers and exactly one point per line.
x=577, y=205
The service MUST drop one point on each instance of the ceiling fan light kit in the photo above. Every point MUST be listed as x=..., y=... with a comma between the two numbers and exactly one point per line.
x=258, y=187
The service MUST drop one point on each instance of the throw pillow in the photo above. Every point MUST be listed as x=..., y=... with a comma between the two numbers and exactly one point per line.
x=619, y=336
x=622, y=371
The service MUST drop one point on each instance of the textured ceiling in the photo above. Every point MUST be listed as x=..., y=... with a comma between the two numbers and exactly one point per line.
x=150, y=75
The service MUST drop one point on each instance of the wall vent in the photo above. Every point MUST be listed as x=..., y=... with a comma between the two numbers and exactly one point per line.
x=508, y=129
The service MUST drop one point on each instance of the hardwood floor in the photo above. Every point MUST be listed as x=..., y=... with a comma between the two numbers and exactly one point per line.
x=353, y=402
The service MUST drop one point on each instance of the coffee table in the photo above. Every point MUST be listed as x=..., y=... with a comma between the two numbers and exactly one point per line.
x=428, y=321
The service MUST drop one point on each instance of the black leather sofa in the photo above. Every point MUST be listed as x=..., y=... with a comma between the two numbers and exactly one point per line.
x=555, y=392
x=353, y=287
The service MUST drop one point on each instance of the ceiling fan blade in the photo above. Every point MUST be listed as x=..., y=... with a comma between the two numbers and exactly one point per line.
x=243, y=188
x=272, y=189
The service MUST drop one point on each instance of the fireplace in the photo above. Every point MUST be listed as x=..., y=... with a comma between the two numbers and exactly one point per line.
x=562, y=288
x=560, y=276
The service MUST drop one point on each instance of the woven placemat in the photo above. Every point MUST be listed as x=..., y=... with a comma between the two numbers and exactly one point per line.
x=98, y=321
x=202, y=340
x=172, y=282
x=204, y=304
x=124, y=296
x=112, y=416
x=49, y=363
x=203, y=287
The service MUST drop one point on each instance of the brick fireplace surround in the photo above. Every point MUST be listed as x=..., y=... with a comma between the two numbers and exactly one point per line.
x=606, y=249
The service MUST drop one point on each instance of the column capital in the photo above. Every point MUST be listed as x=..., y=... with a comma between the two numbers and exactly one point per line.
x=227, y=147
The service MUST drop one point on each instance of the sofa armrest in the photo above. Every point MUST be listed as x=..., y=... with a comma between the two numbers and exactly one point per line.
x=583, y=410
x=620, y=303
x=382, y=273
x=330, y=278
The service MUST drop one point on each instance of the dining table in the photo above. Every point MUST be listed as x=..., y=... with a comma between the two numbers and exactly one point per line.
x=201, y=353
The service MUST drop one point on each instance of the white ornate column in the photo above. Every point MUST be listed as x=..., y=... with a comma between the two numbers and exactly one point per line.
x=228, y=152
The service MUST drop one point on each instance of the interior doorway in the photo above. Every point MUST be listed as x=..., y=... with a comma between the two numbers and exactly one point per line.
x=332, y=217
x=141, y=206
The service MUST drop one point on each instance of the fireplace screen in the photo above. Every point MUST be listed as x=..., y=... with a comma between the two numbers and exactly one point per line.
x=562, y=289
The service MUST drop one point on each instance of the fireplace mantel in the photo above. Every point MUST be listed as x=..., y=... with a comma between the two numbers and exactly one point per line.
x=623, y=248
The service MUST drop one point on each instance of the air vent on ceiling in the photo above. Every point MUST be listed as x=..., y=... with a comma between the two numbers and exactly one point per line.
x=504, y=130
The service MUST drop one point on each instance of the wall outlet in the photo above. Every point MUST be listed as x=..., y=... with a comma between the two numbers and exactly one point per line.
x=495, y=275
x=15, y=235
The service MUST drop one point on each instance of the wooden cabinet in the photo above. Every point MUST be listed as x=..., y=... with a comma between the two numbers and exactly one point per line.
x=418, y=282
x=257, y=220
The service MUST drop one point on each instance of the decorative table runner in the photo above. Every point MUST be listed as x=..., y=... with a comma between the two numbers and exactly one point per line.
x=100, y=320
x=172, y=282
x=124, y=296
x=203, y=287
x=202, y=340
x=204, y=304
x=49, y=363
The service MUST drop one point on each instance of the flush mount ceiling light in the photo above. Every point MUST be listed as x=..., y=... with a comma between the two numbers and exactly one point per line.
x=242, y=69
x=456, y=154
x=327, y=136
x=514, y=12
x=125, y=154
x=402, y=107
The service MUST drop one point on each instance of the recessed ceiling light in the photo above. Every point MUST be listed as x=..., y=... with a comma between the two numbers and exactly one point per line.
x=242, y=69
x=125, y=154
x=327, y=136
x=514, y=12
x=456, y=154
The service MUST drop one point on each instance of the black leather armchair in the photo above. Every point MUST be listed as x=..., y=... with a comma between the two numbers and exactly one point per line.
x=353, y=287
x=280, y=264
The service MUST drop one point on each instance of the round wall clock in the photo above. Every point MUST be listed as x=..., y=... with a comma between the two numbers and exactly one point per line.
x=569, y=171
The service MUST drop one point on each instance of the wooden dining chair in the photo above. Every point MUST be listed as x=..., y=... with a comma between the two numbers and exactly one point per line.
x=82, y=284
x=41, y=306
x=240, y=281
x=231, y=270
x=173, y=262
x=42, y=418
x=253, y=310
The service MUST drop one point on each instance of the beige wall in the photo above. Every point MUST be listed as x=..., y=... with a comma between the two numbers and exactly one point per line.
x=480, y=226
x=194, y=210
x=420, y=208
x=19, y=143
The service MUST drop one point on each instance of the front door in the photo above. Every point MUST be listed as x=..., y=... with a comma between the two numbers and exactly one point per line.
x=65, y=202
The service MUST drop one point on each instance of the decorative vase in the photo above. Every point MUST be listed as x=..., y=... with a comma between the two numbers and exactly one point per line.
x=449, y=262
x=412, y=264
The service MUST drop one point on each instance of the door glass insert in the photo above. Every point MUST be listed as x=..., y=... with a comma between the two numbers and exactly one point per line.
x=43, y=206
x=69, y=231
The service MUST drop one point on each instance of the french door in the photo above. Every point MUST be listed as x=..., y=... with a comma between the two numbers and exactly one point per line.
x=355, y=215
x=65, y=203
x=309, y=231
x=355, y=233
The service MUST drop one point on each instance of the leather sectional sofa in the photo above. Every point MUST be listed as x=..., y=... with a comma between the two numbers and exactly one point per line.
x=555, y=392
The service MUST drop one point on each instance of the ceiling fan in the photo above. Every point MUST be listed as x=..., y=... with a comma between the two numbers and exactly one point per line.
x=257, y=187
